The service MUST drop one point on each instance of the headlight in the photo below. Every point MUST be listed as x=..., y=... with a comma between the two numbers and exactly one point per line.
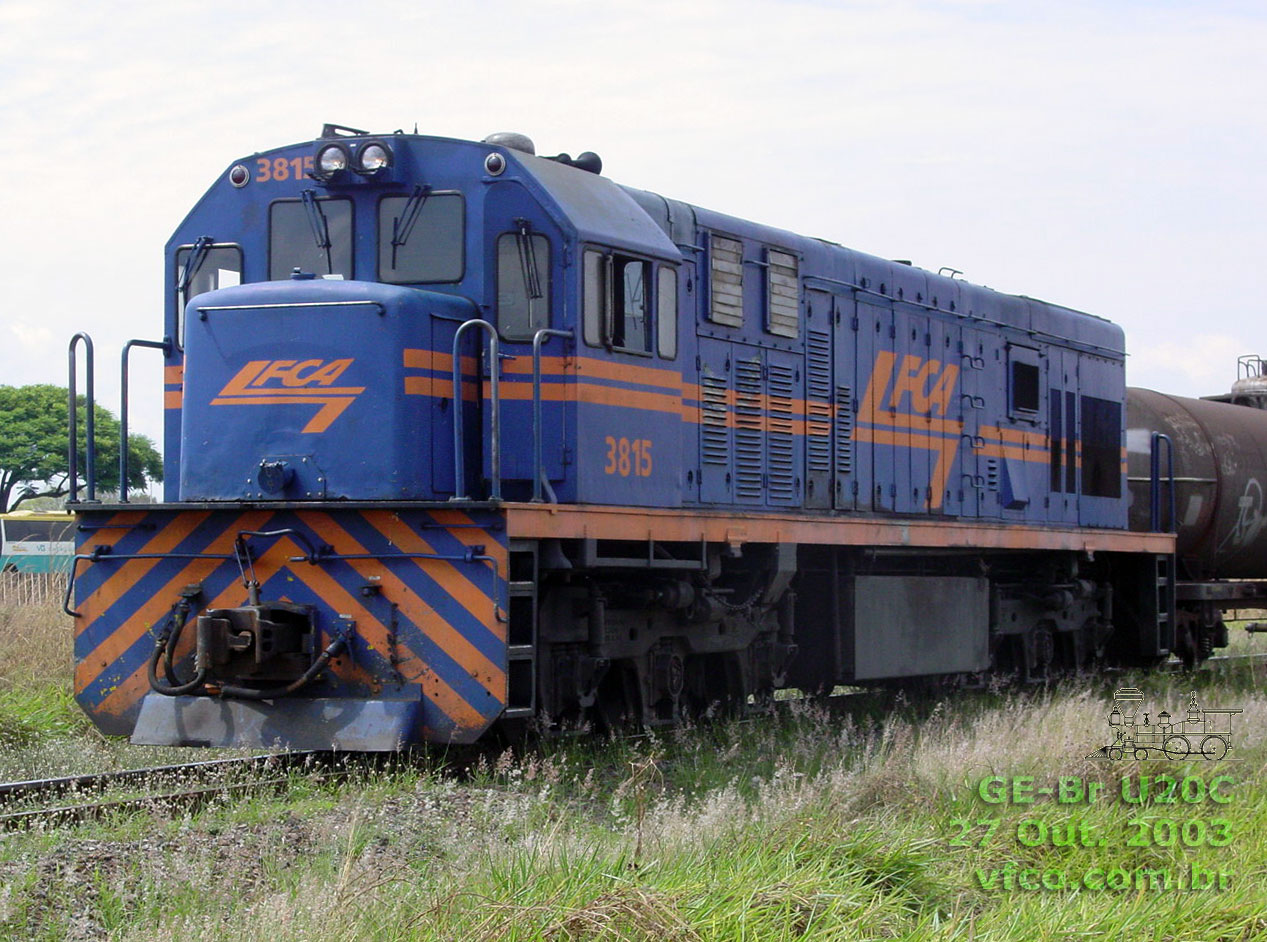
x=373, y=157
x=330, y=160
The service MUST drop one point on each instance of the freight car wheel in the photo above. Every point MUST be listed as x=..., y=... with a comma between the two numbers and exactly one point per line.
x=1213, y=748
x=1178, y=747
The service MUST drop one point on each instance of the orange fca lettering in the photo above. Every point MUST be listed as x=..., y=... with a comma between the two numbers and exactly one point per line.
x=292, y=382
x=899, y=406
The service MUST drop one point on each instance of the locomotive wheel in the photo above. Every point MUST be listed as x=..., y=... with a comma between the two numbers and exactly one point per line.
x=1213, y=748
x=1115, y=752
x=1178, y=747
x=1141, y=754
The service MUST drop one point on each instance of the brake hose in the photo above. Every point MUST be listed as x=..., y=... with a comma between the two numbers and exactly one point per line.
x=272, y=693
x=164, y=651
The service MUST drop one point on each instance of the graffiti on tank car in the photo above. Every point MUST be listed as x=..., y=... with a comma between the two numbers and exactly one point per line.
x=292, y=382
x=905, y=405
x=1249, y=517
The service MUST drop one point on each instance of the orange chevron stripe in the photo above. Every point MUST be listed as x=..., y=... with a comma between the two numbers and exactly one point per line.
x=137, y=684
x=448, y=575
x=147, y=615
x=420, y=613
x=165, y=541
x=108, y=536
x=446, y=698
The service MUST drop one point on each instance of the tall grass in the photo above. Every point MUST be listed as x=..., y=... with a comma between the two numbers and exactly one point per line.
x=835, y=819
x=37, y=590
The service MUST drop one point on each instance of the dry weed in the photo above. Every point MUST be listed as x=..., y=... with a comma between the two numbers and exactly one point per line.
x=36, y=639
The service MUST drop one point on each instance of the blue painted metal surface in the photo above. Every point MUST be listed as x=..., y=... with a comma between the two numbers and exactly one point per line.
x=878, y=389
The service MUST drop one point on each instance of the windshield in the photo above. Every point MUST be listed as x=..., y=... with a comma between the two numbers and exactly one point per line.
x=420, y=237
x=313, y=235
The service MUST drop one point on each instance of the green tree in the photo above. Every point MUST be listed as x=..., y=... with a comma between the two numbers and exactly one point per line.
x=33, y=446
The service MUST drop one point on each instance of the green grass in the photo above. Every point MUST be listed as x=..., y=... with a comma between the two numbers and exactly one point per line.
x=836, y=819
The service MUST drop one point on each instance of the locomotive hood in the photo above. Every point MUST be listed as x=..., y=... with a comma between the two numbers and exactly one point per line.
x=299, y=390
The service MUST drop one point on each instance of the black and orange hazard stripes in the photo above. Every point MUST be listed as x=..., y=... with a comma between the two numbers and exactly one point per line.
x=425, y=592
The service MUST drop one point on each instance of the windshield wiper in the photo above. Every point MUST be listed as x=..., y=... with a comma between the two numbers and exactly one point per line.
x=403, y=225
x=528, y=259
x=197, y=255
x=320, y=226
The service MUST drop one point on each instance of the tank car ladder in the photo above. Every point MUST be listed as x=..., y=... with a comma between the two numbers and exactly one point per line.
x=1165, y=578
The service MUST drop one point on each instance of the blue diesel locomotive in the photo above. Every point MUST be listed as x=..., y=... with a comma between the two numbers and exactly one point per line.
x=457, y=434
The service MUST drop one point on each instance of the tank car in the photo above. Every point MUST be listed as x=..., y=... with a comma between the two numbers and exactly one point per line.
x=459, y=435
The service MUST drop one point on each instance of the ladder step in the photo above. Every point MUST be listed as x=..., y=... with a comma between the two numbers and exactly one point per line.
x=521, y=652
x=523, y=588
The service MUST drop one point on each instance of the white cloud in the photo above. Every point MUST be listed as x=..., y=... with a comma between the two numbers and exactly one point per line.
x=1099, y=155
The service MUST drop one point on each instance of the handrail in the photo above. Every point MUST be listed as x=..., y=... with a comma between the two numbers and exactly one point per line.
x=495, y=454
x=90, y=448
x=538, y=464
x=166, y=346
x=1154, y=477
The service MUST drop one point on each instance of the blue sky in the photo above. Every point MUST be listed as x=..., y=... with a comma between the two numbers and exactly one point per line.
x=1105, y=156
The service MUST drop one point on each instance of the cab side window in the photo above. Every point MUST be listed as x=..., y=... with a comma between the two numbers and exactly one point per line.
x=617, y=302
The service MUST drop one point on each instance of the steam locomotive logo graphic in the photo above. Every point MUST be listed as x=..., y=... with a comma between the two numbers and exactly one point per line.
x=1202, y=734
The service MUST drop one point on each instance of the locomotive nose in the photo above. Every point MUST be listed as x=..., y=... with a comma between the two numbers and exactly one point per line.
x=317, y=390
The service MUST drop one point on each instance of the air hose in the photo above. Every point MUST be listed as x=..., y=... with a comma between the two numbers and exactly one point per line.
x=272, y=693
x=164, y=651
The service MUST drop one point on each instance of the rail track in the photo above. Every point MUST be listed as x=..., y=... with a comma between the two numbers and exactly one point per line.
x=189, y=786
x=1220, y=662
x=186, y=786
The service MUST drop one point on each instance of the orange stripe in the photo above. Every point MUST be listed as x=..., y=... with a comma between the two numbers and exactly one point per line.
x=444, y=634
x=903, y=420
x=147, y=615
x=451, y=579
x=1016, y=436
x=174, y=375
x=434, y=360
x=544, y=521
x=133, y=570
x=446, y=698
x=173, y=399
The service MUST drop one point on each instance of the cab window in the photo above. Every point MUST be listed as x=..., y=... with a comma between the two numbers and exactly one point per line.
x=204, y=266
x=421, y=237
x=523, y=284
x=617, y=302
x=666, y=311
x=313, y=235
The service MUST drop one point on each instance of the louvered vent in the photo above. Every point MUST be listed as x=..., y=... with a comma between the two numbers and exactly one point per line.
x=844, y=429
x=818, y=401
x=992, y=473
x=715, y=440
x=749, y=429
x=781, y=470
x=727, y=281
x=784, y=294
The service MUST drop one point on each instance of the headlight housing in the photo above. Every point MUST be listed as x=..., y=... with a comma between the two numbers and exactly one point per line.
x=374, y=156
x=331, y=159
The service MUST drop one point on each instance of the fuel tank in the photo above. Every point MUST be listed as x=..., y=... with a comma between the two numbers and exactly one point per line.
x=1220, y=471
